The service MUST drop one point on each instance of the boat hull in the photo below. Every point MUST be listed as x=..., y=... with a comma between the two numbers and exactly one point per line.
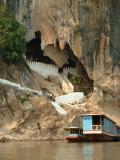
x=92, y=138
x=76, y=138
x=100, y=138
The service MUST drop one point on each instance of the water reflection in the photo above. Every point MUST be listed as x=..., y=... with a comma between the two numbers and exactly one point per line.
x=59, y=151
x=88, y=152
x=93, y=151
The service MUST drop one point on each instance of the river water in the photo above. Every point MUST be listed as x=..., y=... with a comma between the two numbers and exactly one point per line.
x=59, y=151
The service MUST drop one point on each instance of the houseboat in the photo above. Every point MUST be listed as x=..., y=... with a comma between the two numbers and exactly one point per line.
x=95, y=127
x=98, y=127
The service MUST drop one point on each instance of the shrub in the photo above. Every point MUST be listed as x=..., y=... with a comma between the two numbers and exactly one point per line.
x=12, y=37
x=23, y=98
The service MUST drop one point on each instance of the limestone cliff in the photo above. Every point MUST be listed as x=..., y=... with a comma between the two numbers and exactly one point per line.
x=91, y=28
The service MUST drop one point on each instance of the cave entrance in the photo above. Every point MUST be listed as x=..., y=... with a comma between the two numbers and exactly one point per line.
x=81, y=81
x=86, y=84
x=34, y=51
x=71, y=58
x=33, y=48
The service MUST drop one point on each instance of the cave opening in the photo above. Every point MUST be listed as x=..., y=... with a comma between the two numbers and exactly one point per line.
x=86, y=83
x=34, y=51
x=71, y=58
x=81, y=81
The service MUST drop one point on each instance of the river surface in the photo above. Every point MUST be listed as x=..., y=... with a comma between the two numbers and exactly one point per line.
x=59, y=151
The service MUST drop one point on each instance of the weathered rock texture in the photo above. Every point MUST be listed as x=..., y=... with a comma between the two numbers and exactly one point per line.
x=26, y=78
x=91, y=27
x=25, y=116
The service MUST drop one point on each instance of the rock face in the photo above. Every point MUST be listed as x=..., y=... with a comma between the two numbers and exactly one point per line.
x=26, y=78
x=91, y=29
x=25, y=116
x=27, y=107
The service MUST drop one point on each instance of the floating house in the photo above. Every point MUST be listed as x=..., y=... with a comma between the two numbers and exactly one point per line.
x=96, y=127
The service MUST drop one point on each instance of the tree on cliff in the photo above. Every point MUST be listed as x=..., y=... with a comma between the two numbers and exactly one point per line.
x=12, y=37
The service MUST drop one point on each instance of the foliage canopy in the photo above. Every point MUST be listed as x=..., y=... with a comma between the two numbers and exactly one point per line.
x=12, y=37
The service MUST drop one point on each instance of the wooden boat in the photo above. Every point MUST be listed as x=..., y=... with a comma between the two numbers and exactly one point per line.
x=74, y=134
x=98, y=127
x=95, y=127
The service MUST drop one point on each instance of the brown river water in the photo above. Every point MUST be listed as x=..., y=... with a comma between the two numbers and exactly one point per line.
x=59, y=151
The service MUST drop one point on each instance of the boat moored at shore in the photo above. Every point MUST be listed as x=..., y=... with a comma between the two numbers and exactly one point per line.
x=99, y=127
x=95, y=127
x=74, y=134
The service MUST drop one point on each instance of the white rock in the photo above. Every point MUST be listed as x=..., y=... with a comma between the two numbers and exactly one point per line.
x=19, y=87
x=58, y=108
x=71, y=98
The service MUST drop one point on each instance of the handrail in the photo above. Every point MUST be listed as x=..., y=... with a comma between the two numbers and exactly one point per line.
x=97, y=127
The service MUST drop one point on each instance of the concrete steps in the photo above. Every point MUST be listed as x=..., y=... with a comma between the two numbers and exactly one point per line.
x=51, y=70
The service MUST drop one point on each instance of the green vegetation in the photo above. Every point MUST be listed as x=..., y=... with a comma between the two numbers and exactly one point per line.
x=80, y=84
x=23, y=98
x=12, y=37
x=76, y=81
x=78, y=28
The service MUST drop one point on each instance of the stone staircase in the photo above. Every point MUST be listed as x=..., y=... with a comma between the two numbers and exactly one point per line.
x=51, y=70
x=43, y=69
